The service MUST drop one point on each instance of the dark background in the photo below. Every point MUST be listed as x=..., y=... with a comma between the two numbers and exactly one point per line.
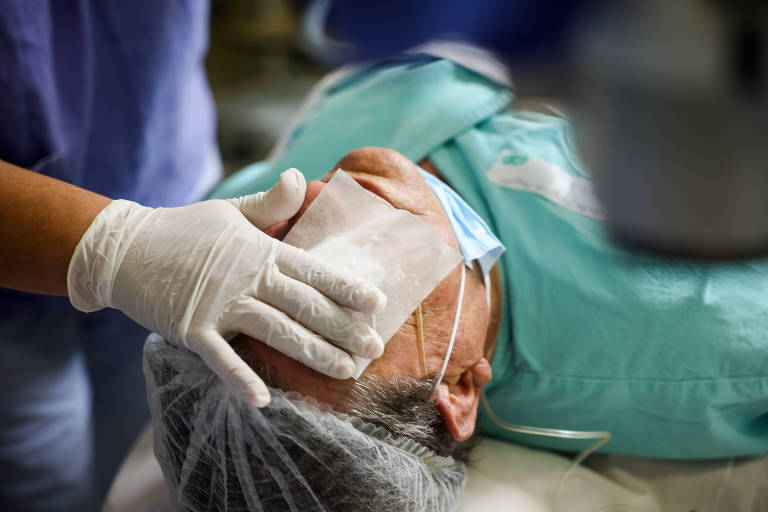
x=258, y=74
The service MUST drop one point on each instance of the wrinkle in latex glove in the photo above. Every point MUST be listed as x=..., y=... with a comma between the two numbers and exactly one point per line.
x=201, y=273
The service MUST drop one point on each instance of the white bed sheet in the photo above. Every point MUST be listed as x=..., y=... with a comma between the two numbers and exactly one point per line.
x=506, y=477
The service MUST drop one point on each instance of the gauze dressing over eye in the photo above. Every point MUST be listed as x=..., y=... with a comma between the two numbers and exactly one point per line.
x=353, y=230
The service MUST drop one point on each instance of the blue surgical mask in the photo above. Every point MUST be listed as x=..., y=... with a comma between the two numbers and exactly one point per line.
x=476, y=241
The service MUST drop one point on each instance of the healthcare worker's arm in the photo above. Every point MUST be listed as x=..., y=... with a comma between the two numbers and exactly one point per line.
x=41, y=221
x=195, y=274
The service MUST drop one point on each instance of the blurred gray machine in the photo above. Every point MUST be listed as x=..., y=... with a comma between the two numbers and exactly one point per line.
x=670, y=99
x=672, y=114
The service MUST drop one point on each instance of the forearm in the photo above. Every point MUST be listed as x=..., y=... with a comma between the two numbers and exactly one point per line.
x=41, y=221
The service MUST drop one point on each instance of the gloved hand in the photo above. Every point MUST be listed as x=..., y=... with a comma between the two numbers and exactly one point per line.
x=198, y=274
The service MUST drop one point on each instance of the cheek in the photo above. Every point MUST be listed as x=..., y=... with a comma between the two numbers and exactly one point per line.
x=476, y=310
x=473, y=324
x=475, y=327
x=400, y=356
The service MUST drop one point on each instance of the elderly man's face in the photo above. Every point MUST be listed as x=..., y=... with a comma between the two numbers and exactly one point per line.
x=397, y=180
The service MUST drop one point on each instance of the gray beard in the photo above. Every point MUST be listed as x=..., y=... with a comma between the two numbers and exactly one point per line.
x=405, y=406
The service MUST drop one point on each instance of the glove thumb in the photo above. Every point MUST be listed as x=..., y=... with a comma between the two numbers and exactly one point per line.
x=280, y=202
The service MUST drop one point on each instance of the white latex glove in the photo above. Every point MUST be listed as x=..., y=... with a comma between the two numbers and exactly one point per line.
x=201, y=273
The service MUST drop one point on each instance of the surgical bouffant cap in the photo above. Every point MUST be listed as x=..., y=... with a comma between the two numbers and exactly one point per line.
x=219, y=453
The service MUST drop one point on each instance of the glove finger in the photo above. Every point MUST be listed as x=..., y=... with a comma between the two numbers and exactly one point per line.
x=273, y=327
x=280, y=202
x=343, y=287
x=231, y=369
x=320, y=314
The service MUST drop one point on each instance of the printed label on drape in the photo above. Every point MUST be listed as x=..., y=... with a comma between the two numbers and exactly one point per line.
x=518, y=171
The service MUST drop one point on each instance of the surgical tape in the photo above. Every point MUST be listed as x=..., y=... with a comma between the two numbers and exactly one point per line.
x=352, y=229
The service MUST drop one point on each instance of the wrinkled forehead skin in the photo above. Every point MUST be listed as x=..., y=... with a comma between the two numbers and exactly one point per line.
x=398, y=182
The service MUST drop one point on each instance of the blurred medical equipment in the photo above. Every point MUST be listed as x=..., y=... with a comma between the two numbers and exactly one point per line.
x=182, y=273
x=220, y=453
x=672, y=102
x=349, y=227
x=670, y=99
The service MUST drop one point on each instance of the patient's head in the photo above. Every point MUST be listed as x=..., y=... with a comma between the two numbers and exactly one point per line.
x=385, y=442
x=397, y=380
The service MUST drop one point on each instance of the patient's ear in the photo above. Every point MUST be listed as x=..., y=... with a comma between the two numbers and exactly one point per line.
x=457, y=403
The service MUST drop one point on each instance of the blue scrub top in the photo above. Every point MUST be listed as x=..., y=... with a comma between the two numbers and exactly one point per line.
x=109, y=95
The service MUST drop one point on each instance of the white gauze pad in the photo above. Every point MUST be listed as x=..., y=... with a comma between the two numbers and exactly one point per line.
x=353, y=230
